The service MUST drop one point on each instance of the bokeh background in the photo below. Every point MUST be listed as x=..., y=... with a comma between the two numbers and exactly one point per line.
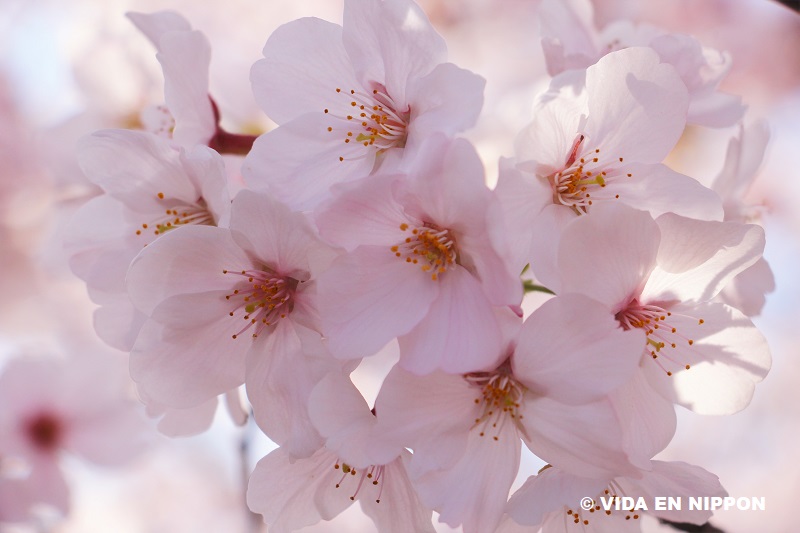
x=69, y=67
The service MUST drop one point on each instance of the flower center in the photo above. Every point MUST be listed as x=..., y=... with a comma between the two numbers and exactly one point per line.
x=45, y=431
x=499, y=401
x=371, y=120
x=666, y=346
x=178, y=213
x=372, y=475
x=584, y=178
x=260, y=298
x=432, y=248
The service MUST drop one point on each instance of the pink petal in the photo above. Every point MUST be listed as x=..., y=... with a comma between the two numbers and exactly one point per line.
x=207, y=168
x=458, y=334
x=549, y=224
x=608, y=254
x=117, y=322
x=565, y=34
x=715, y=110
x=284, y=240
x=743, y=158
x=304, y=63
x=449, y=100
x=747, y=291
x=342, y=417
x=522, y=197
x=299, y=162
x=186, y=260
x=637, y=105
x=154, y=25
x=543, y=146
x=658, y=190
x=282, y=369
x=185, y=355
x=294, y=494
x=391, y=42
x=432, y=413
x=727, y=357
x=582, y=440
x=134, y=166
x=185, y=58
x=363, y=212
x=697, y=259
x=474, y=490
x=572, y=350
x=368, y=297
x=101, y=241
x=648, y=420
x=449, y=185
x=678, y=480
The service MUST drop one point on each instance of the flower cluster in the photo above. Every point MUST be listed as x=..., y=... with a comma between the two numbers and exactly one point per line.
x=364, y=219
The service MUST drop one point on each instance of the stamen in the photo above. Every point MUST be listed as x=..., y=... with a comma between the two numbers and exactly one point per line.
x=434, y=249
x=501, y=399
x=372, y=119
x=265, y=298
x=177, y=213
x=583, y=179
x=373, y=473
x=665, y=344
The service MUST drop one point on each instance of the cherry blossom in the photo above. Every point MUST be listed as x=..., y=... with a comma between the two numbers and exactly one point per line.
x=550, y=500
x=661, y=278
x=350, y=98
x=295, y=494
x=271, y=275
x=227, y=306
x=51, y=406
x=570, y=41
x=607, y=143
x=291, y=495
x=603, y=145
x=422, y=264
x=549, y=391
x=150, y=189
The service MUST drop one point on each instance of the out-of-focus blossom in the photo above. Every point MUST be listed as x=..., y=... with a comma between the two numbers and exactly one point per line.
x=185, y=56
x=75, y=405
x=570, y=41
x=747, y=290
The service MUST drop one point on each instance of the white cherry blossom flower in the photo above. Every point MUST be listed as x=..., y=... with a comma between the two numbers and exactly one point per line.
x=660, y=277
x=150, y=189
x=229, y=306
x=347, y=98
x=421, y=264
x=570, y=41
